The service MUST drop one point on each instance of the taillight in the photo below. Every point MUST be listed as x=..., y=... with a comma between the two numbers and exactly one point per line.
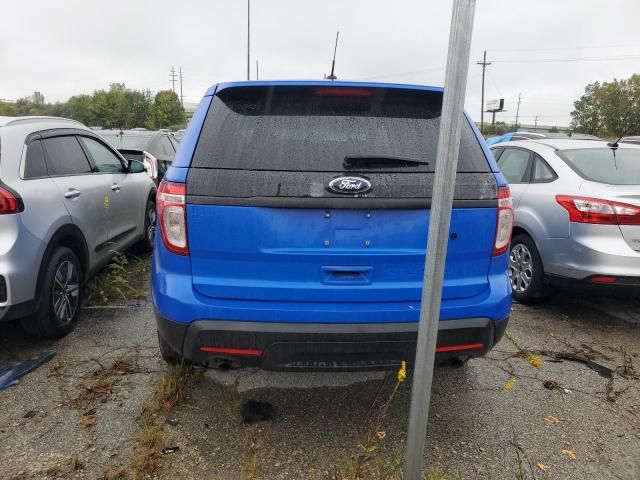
x=172, y=216
x=9, y=203
x=504, y=225
x=599, y=211
x=151, y=163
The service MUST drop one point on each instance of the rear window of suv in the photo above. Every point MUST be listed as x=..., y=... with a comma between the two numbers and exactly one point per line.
x=314, y=128
x=619, y=166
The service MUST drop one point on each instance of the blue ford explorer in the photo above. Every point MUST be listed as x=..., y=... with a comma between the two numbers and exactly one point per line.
x=293, y=223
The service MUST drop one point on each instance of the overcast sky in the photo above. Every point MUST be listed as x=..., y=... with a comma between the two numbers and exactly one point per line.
x=62, y=48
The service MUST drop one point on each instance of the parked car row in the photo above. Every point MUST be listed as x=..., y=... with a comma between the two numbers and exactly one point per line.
x=293, y=222
x=68, y=200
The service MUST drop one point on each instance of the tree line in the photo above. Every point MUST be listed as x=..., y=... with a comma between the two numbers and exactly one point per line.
x=117, y=107
x=609, y=109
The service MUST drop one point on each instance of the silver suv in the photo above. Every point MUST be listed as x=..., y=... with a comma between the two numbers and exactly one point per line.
x=577, y=214
x=68, y=201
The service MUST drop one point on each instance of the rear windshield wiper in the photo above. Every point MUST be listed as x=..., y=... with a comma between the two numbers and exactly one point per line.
x=380, y=161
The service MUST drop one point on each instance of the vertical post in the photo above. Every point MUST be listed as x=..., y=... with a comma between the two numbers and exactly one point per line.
x=445, y=173
x=181, y=97
x=248, y=39
x=257, y=70
x=484, y=67
x=518, y=110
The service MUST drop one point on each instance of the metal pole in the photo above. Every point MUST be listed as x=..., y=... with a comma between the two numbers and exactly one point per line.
x=445, y=173
x=248, y=39
x=518, y=110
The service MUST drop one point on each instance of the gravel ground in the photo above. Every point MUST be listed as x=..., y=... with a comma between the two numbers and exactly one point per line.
x=482, y=425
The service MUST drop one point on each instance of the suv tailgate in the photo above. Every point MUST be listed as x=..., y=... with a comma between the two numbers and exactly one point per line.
x=263, y=224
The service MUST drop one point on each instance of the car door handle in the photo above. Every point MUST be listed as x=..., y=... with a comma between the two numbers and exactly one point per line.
x=72, y=193
x=115, y=187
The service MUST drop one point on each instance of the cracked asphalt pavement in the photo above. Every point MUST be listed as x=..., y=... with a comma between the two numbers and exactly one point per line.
x=493, y=418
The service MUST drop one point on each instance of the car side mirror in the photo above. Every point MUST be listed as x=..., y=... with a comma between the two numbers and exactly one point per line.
x=136, y=166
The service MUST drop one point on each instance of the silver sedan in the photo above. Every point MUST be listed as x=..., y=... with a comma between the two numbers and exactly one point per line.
x=577, y=213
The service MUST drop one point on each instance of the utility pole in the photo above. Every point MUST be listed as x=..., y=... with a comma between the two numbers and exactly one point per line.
x=484, y=64
x=333, y=63
x=248, y=39
x=181, y=98
x=535, y=123
x=518, y=109
x=172, y=78
x=455, y=83
x=257, y=70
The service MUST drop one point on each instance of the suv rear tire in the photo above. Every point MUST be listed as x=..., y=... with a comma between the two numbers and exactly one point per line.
x=526, y=274
x=60, y=294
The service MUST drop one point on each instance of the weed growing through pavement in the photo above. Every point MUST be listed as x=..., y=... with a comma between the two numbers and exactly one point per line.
x=114, y=282
x=375, y=436
x=172, y=389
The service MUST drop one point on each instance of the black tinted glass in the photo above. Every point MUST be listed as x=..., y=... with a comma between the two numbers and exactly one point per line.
x=104, y=158
x=65, y=156
x=35, y=165
x=314, y=128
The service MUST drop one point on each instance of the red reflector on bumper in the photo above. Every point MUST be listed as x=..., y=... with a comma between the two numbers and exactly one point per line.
x=455, y=348
x=232, y=351
x=602, y=279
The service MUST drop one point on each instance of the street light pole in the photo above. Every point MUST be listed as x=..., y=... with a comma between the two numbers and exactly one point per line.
x=451, y=122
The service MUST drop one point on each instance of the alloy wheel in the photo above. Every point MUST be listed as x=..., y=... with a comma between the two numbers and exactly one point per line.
x=66, y=291
x=520, y=268
x=151, y=224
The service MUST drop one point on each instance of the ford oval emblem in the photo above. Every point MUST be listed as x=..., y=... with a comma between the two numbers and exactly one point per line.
x=350, y=185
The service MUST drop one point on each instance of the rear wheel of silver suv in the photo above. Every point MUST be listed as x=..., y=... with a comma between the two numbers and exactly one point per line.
x=526, y=273
x=150, y=224
x=60, y=294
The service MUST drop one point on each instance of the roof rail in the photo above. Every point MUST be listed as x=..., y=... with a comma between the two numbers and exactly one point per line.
x=6, y=121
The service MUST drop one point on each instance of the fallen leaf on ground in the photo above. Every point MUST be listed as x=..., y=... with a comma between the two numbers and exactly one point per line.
x=569, y=453
x=551, y=420
x=543, y=467
x=87, y=421
x=551, y=384
x=534, y=361
x=510, y=384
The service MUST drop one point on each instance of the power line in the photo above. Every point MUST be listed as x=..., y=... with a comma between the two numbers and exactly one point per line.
x=588, y=47
x=172, y=78
x=569, y=59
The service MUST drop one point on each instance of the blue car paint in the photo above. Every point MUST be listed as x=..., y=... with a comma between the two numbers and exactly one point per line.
x=176, y=299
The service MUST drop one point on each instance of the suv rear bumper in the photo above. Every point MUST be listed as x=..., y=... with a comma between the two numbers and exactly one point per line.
x=329, y=347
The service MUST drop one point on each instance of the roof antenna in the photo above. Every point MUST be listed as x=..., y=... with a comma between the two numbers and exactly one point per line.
x=333, y=63
x=614, y=145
